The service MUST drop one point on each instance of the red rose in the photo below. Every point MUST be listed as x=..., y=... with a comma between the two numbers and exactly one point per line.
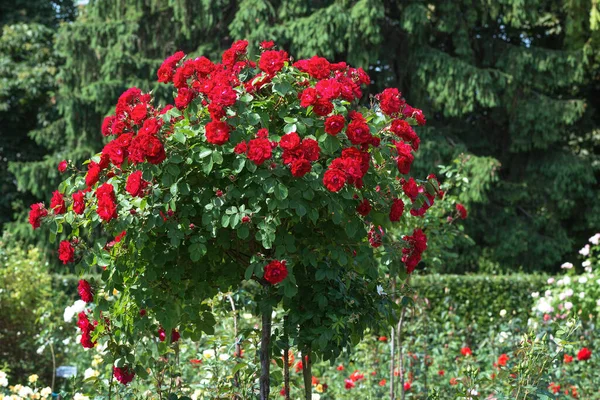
x=311, y=149
x=308, y=97
x=272, y=61
x=323, y=107
x=567, y=359
x=364, y=208
x=66, y=252
x=36, y=213
x=334, y=180
x=411, y=256
x=358, y=132
x=275, y=272
x=462, y=211
x=240, y=148
x=139, y=113
x=135, y=184
x=123, y=375
x=184, y=97
x=107, y=207
x=349, y=384
x=62, y=166
x=79, y=202
x=411, y=189
x=259, y=150
x=289, y=141
x=390, y=101
x=217, y=132
x=319, y=67
x=175, y=336
x=300, y=167
x=266, y=45
x=466, y=351
x=57, y=204
x=151, y=127
x=222, y=95
x=584, y=354
x=502, y=360
x=405, y=157
x=162, y=335
x=383, y=339
x=396, y=210
x=107, y=125
x=329, y=89
x=334, y=124
x=246, y=219
x=85, y=291
x=93, y=175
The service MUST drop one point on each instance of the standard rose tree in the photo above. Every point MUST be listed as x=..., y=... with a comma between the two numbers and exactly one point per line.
x=267, y=171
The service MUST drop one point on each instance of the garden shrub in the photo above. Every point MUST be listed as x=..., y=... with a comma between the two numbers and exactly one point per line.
x=26, y=304
x=265, y=171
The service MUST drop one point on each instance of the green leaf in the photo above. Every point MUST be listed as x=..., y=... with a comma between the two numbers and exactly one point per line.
x=208, y=166
x=248, y=273
x=289, y=128
x=217, y=157
x=281, y=191
x=179, y=137
x=282, y=88
x=204, y=152
x=243, y=232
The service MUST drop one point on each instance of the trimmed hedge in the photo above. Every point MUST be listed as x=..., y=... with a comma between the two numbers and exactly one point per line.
x=473, y=302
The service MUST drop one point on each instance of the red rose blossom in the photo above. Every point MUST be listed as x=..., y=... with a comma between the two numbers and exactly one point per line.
x=584, y=354
x=466, y=351
x=124, y=374
x=396, y=210
x=334, y=180
x=36, y=214
x=462, y=211
x=275, y=272
x=79, y=202
x=66, y=252
x=259, y=151
x=334, y=124
x=217, y=132
x=364, y=208
x=57, y=204
x=107, y=206
x=85, y=291
x=62, y=166
x=136, y=184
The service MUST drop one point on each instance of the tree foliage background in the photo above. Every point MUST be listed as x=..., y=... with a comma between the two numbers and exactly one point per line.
x=513, y=84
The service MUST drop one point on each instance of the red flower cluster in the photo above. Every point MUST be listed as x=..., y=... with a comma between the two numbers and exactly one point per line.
x=36, y=214
x=66, y=252
x=417, y=244
x=124, y=374
x=375, y=236
x=466, y=351
x=57, y=204
x=107, y=202
x=584, y=354
x=351, y=167
x=462, y=211
x=352, y=379
x=275, y=272
x=298, y=154
x=136, y=185
x=85, y=291
x=86, y=330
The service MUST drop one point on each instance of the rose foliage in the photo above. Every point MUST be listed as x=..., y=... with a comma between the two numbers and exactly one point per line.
x=266, y=171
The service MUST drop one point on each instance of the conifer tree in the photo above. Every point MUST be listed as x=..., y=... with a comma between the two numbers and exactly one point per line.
x=512, y=81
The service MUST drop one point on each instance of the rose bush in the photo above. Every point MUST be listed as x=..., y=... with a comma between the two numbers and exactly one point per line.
x=268, y=171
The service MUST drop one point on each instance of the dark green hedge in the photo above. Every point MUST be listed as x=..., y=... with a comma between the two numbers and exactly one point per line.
x=473, y=302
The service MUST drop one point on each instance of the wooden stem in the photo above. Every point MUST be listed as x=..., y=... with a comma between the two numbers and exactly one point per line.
x=265, y=352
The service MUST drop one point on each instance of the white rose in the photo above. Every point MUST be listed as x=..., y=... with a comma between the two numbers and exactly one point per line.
x=90, y=373
x=45, y=392
x=595, y=239
x=550, y=281
x=79, y=396
x=208, y=353
x=569, y=292
x=3, y=379
x=535, y=295
x=502, y=313
x=585, y=251
x=223, y=356
x=583, y=279
x=581, y=295
x=567, y=265
x=567, y=280
x=568, y=305
x=548, y=293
